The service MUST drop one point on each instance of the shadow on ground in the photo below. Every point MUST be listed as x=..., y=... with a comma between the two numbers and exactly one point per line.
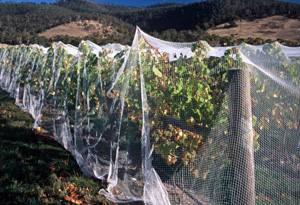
x=36, y=169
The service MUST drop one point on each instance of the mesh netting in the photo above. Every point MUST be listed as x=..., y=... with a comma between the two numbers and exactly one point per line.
x=168, y=123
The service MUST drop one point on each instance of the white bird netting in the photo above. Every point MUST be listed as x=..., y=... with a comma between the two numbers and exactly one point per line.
x=169, y=123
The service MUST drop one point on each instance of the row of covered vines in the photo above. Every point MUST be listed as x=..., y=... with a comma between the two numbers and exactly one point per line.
x=73, y=95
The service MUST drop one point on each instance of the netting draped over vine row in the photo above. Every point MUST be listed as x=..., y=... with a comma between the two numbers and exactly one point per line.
x=169, y=123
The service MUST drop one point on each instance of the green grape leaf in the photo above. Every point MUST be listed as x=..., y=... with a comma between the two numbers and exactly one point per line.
x=156, y=72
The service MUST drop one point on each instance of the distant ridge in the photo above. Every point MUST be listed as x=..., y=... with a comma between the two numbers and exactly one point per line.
x=291, y=1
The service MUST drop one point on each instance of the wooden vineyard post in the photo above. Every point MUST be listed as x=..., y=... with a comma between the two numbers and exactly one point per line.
x=241, y=137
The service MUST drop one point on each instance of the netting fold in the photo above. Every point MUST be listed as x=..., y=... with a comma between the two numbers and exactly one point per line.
x=168, y=123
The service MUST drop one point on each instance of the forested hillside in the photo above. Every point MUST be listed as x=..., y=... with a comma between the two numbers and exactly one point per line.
x=204, y=14
x=207, y=14
x=94, y=7
x=21, y=22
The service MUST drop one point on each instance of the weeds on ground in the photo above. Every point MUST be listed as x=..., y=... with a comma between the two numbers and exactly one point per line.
x=36, y=169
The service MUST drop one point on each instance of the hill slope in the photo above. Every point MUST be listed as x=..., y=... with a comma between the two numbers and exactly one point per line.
x=32, y=18
x=207, y=14
x=21, y=22
x=81, y=29
x=202, y=14
x=267, y=28
x=94, y=7
x=100, y=32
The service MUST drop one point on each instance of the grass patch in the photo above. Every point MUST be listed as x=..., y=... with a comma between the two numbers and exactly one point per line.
x=36, y=169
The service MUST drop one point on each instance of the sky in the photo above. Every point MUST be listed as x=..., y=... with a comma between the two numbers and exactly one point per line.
x=122, y=2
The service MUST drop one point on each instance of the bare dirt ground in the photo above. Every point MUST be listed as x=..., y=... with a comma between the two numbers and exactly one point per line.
x=80, y=29
x=3, y=45
x=267, y=28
